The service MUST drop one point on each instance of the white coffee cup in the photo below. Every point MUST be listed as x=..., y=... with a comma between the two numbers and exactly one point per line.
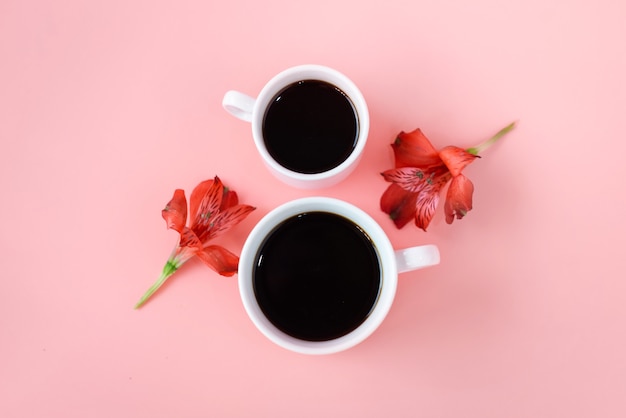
x=254, y=110
x=390, y=263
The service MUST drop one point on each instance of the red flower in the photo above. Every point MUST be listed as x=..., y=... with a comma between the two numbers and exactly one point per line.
x=214, y=210
x=421, y=172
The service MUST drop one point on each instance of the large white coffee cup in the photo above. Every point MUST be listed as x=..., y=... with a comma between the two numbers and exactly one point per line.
x=254, y=111
x=390, y=262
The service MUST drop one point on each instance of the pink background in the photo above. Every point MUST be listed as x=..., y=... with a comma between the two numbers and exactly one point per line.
x=107, y=107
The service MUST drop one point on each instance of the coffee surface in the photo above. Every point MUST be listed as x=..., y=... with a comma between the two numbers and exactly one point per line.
x=310, y=127
x=317, y=276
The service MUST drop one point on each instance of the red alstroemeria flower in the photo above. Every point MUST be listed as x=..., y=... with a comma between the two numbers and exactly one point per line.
x=214, y=210
x=420, y=174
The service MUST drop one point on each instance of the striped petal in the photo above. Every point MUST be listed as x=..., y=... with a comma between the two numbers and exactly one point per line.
x=426, y=206
x=413, y=194
x=416, y=180
x=205, y=202
x=225, y=220
x=188, y=238
x=410, y=179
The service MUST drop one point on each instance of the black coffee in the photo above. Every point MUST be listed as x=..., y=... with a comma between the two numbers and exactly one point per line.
x=310, y=126
x=317, y=276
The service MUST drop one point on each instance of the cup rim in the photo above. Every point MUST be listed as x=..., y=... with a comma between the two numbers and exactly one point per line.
x=310, y=72
x=386, y=254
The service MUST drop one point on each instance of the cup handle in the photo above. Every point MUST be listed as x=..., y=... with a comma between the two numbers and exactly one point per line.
x=415, y=258
x=239, y=105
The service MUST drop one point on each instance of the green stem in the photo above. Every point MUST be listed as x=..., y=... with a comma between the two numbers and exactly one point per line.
x=481, y=147
x=170, y=268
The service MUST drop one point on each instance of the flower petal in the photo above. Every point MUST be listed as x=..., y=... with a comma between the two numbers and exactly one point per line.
x=399, y=204
x=205, y=201
x=424, y=188
x=458, y=198
x=229, y=199
x=413, y=149
x=410, y=179
x=175, y=212
x=456, y=159
x=426, y=206
x=219, y=259
x=416, y=180
x=226, y=220
x=188, y=238
x=188, y=246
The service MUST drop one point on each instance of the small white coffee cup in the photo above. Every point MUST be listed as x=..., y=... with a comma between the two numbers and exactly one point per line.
x=254, y=110
x=390, y=263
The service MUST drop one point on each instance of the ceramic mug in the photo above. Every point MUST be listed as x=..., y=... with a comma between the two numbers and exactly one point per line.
x=318, y=275
x=309, y=123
